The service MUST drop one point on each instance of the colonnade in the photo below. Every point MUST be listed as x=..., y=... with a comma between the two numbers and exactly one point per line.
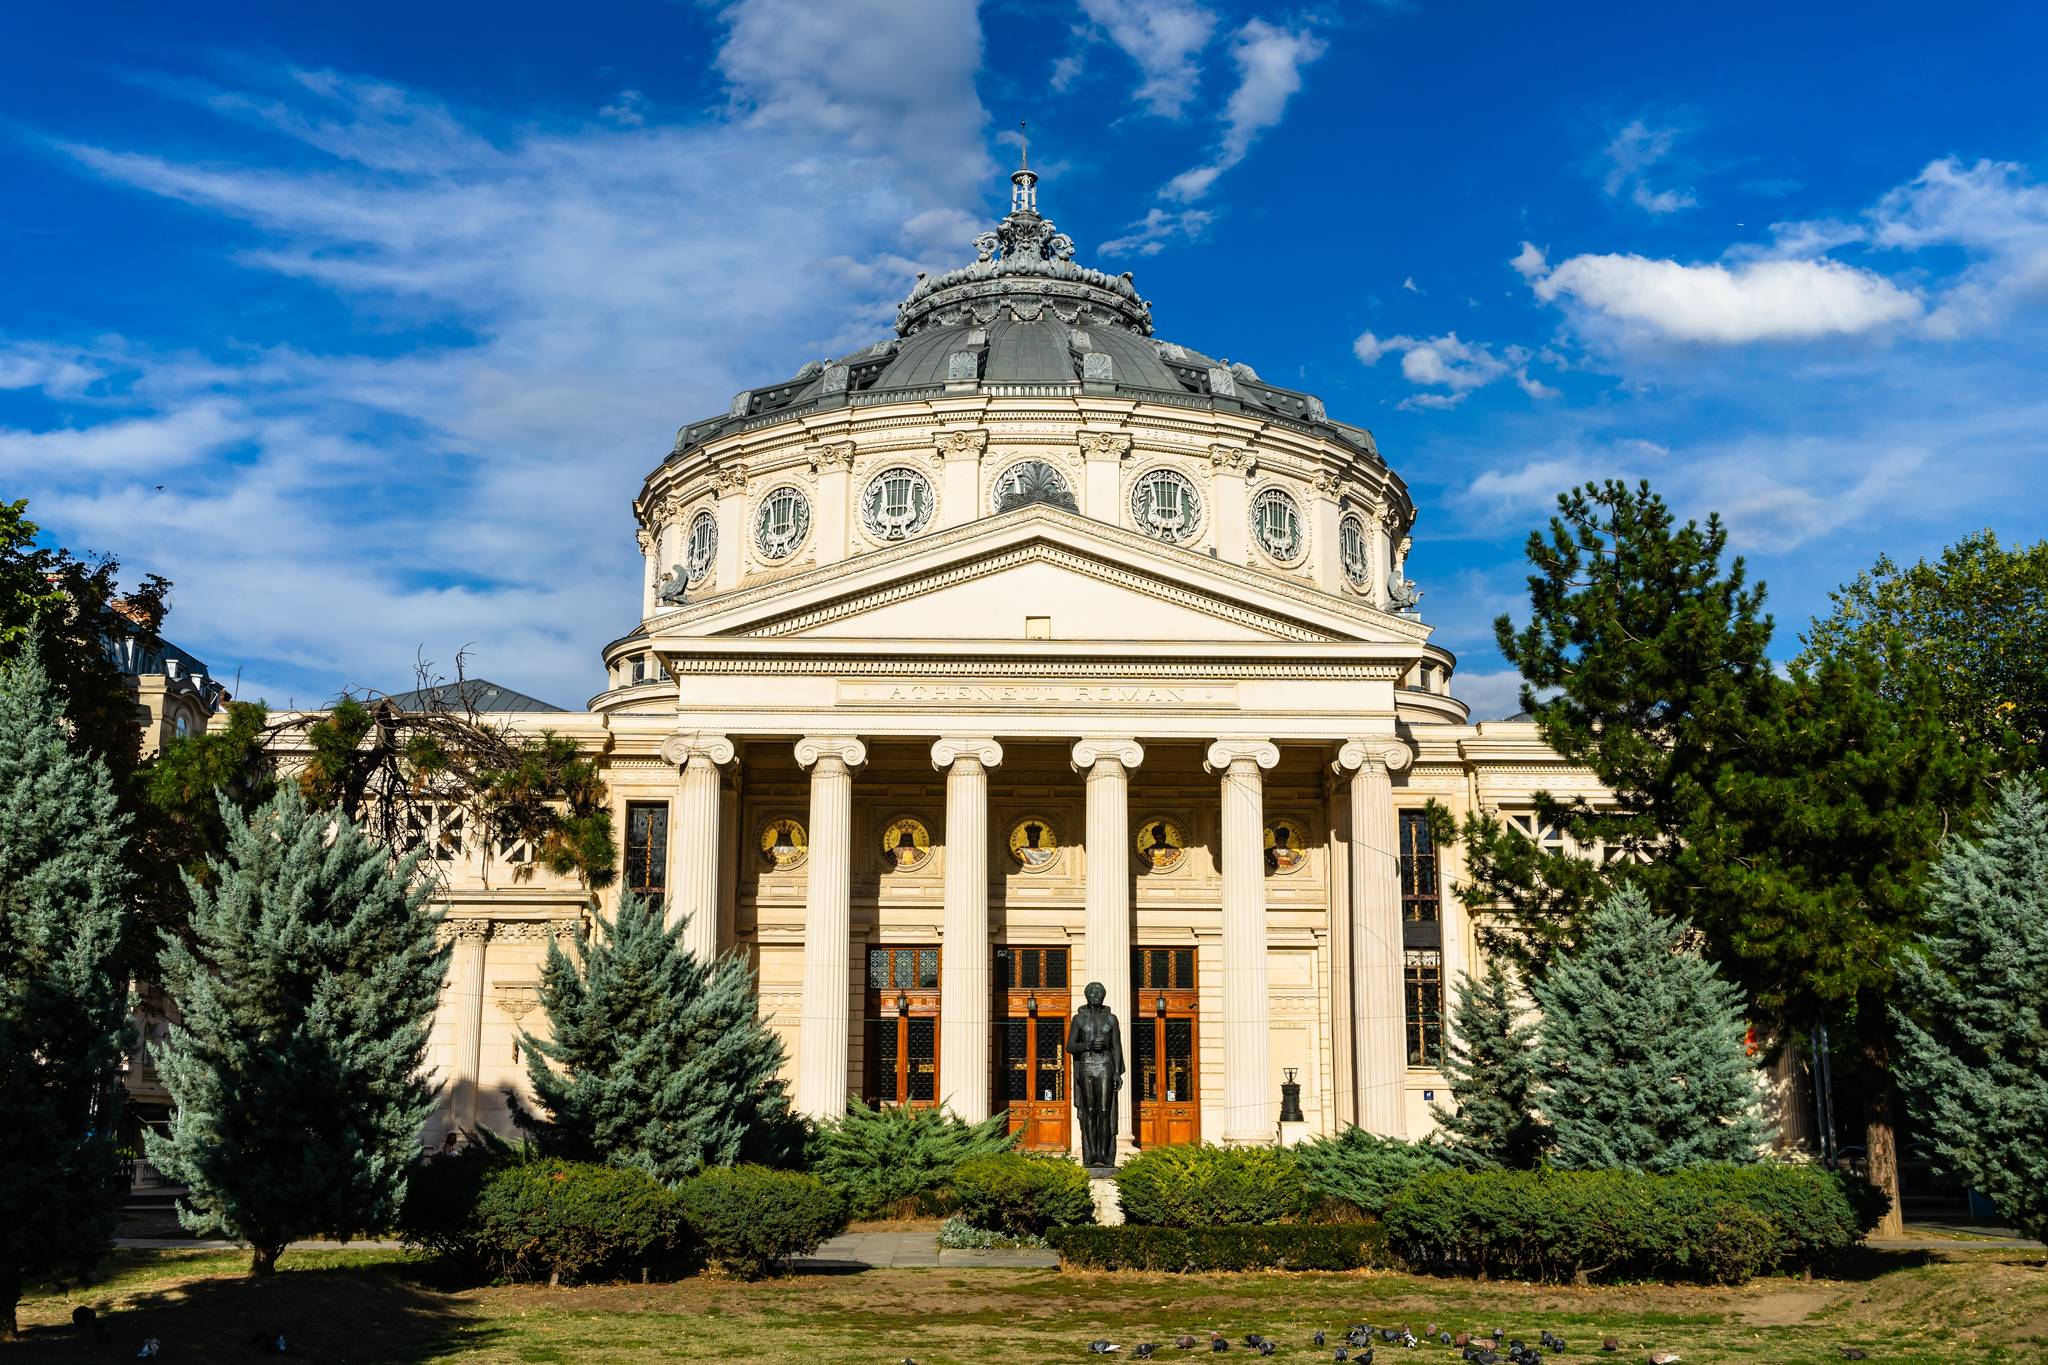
x=1372, y=932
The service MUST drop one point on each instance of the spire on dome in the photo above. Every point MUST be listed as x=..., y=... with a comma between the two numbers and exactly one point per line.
x=1024, y=180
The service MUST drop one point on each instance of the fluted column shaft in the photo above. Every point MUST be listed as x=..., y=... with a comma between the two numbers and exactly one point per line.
x=1380, y=1048
x=1106, y=919
x=1342, y=1044
x=693, y=848
x=821, y=1057
x=964, y=985
x=466, y=995
x=1249, y=1097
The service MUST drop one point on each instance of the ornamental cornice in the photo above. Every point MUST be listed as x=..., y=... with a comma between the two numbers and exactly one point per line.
x=1104, y=445
x=812, y=665
x=1327, y=482
x=834, y=455
x=950, y=749
x=727, y=480
x=963, y=445
x=1233, y=459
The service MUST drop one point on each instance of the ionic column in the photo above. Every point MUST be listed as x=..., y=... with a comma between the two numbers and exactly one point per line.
x=1249, y=1098
x=1379, y=1048
x=650, y=571
x=1106, y=922
x=964, y=985
x=821, y=1039
x=693, y=848
x=466, y=996
x=1337, y=795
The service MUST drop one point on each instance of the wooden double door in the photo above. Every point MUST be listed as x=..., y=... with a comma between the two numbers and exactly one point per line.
x=1165, y=1060
x=1033, y=996
x=902, y=1025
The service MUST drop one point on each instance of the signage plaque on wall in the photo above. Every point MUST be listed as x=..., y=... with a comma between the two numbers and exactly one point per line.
x=981, y=692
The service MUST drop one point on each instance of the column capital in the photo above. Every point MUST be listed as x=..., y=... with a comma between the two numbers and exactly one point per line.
x=1091, y=750
x=845, y=748
x=682, y=746
x=463, y=930
x=1380, y=751
x=1225, y=752
x=947, y=749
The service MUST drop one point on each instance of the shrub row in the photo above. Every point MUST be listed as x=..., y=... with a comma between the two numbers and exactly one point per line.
x=899, y=1157
x=511, y=1217
x=1364, y=1171
x=1209, y=1187
x=1018, y=1195
x=1715, y=1224
x=1282, y=1246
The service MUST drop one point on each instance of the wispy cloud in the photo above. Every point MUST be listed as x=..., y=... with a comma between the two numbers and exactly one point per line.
x=1635, y=152
x=1269, y=60
x=1163, y=37
x=1452, y=366
x=1149, y=235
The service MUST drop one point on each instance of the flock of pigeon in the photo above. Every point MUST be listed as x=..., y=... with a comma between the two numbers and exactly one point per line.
x=1359, y=1345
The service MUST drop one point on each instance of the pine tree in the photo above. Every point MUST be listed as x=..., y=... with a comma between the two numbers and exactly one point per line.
x=306, y=993
x=1974, y=1029
x=1491, y=1065
x=1641, y=1047
x=655, y=1060
x=63, y=1001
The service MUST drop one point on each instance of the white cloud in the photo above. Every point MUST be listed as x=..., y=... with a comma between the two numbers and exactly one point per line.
x=628, y=109
x=1490, y=696
x=1164, y=37
x=1150, y=234
x=1529, y=262
x=1635, y=150
x=609, y=283
x=1989, y=209
x=1449, y=363
x=1410, y=285
x=1269, y=64
x=1770, y=300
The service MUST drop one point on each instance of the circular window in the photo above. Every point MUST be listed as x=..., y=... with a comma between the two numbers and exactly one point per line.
x=1032, y=481
x=898, y=504
x=1165, y=506
x=1351, y=550
x=782, y=523
x=703, y=547
x=1277, y=525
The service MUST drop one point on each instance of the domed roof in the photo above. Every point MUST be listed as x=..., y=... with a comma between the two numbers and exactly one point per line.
x=1023, y=318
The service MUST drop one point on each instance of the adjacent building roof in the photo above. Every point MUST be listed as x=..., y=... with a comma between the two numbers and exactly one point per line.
x=1023, y=314
x=475, y=694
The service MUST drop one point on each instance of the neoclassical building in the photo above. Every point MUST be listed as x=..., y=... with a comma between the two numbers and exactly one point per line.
x=1017, y=650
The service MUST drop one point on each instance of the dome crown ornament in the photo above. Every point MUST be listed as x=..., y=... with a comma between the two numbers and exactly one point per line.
x=1021, y=267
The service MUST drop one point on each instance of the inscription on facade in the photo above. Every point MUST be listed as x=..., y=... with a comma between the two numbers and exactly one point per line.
x=996, y=692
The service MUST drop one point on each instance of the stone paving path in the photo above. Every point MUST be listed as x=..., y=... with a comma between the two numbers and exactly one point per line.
x=852, y=1251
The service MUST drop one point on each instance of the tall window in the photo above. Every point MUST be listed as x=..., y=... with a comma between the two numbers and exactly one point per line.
x=902, y=1025
x=1422, y=972
x=1422, y=936
x=647, y=849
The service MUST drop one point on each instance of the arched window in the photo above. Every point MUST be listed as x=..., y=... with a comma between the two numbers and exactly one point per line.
x=703, y=547
x=1351, y=550
x=1277, y=525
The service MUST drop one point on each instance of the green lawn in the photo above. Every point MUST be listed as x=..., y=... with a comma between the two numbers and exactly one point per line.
x=380, y=1306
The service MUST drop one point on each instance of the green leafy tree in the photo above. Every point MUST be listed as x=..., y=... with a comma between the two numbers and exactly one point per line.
x=1974, y=1026
x=1642, y=1051
x=1976, y=620
x=63, y=1000
x=1491, y=1067
x=297, y=1068
x=656, y=1060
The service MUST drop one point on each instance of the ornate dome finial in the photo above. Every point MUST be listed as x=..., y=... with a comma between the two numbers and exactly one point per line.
x=1023, y=180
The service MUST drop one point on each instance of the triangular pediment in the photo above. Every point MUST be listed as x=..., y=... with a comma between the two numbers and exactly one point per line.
x=1036, y=569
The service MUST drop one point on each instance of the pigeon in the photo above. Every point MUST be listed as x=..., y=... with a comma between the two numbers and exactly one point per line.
x=1854, y=1353
x=1102, y=1348
x=1254, y=1340
x=1267, y=1348
x=1144, y=1350
x=1610, y=1344
x=1220, y=1344
x=1443, y=1338
x=1661, y=1358
x=149, y=1348
x=1185, y=1342
x=1462, y=1340
x=1342, y=1354
x=1320, y=1341
x=1407, y=1338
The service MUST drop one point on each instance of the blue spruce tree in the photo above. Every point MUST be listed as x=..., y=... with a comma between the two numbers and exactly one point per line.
x=63, y=1001
x=305, y=995
x=1641, y=1046
x=655, y=1060
x=1974, y=1030
x=1491, y=1066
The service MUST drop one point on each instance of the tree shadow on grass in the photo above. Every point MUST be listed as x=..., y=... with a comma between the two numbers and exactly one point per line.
x=326, y=1314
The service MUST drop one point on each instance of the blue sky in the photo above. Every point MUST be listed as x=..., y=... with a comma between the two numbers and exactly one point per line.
x=363, y=323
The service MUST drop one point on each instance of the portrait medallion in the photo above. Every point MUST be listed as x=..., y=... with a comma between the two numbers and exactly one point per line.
x=1161, y=844
x=783, y=843
x=1034, y=844
x=1286, y=846
x=906, y=843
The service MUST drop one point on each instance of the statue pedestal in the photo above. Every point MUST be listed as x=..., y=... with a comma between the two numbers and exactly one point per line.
x=1102, y=1187
x=1292, y=1133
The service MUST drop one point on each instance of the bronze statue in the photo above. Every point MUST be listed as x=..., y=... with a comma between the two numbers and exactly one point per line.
x=1096, y=1044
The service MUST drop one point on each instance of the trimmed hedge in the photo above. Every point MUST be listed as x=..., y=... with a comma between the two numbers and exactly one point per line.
x=1714, y=1224
x=883, y=1157
x=1282, y=1246
x=1364, y=1170
x=441, y=1194
x=566, y=1221
x=750, y=1217
x=1020, y=1195
x=1207, y=1187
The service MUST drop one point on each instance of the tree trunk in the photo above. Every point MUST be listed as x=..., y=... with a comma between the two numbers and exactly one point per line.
x=1880, y=1141
x=263, y=1257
